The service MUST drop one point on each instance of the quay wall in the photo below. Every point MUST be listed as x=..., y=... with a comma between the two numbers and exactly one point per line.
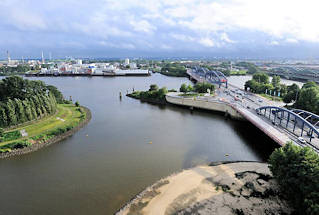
x=206, y=104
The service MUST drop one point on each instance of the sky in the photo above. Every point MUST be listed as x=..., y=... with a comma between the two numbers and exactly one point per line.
x=160, y=28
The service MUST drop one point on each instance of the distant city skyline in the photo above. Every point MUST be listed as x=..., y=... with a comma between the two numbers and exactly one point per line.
x=159, y=28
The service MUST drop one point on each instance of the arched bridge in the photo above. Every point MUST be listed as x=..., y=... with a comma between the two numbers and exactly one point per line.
x=299, y=122
x=210, y=76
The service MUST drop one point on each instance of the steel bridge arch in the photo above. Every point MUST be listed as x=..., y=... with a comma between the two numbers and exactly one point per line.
x=297, y=117
x=309, y=115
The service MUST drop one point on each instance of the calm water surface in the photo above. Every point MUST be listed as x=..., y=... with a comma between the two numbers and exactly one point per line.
x=98, y=173
x=239, y=81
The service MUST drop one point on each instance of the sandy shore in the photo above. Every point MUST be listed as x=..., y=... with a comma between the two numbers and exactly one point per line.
x=233, y=188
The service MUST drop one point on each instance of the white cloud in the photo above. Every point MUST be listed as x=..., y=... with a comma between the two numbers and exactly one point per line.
x=274, y=43
x=182, y=37
x=224, y=37
x=207, y=42
x=143, y=26
x=291, y=40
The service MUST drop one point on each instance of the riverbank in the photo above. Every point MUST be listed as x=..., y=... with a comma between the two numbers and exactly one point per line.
x=148, y=97
x=226, y=188
x=68, y=120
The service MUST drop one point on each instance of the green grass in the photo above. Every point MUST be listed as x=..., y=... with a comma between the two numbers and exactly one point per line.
x=272, y=98
x=43, y=128
x=188, y=94
x=240, y=72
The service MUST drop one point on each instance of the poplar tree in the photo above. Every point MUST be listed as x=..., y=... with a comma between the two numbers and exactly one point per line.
x=11, y=114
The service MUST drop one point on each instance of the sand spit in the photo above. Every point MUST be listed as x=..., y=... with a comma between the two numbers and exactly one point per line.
x=232, y=188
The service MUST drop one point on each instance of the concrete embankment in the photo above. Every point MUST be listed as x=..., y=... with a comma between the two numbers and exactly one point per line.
x=230, y=188
x=204, y=103
x=37, y=146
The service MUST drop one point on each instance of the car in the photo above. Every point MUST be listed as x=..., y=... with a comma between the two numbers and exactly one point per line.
x=260, y=100
x=248, y=107
x=302, y=140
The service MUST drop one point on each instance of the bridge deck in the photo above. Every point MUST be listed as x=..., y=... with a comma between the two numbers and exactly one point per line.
x=269, y=130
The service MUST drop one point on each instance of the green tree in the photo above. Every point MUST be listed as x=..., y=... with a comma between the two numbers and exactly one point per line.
x=203, y=87
x=309, y=84
x=3, y=116
x=57, y=94
x=11, y=114
x=27, y=108
x=183, y=88
x=153, y=87
x=77, y=104
x=20, y=111
x=309, y=99
x=275, y=81
x=297, y=172
x=189, y=88
x=162, y=92
x=260, y=77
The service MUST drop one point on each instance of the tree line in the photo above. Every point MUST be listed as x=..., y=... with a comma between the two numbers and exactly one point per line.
x=22, y=100
x=306, y=98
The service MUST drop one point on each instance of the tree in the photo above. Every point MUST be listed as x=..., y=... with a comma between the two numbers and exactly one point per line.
x=309, y=84
x=20, y=111
x=1, y=134
x=153, y=87
x=27, y=108
x=77, y=104
x=189, y=88
x=57, y=94
x=3, y=116
x=183, y=88
x=162, y=92
x=261, y=78
x=296, y=170
x=203, y=87
x=309, y=99
x=11, y=114
x=275, y=81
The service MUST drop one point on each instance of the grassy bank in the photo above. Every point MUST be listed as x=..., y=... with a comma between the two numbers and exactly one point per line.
x=240, y=72
x=67, y=117
x=272, y=98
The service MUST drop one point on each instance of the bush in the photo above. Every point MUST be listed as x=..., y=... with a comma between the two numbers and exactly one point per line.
x=297, y=172
x=203, y=87
x=77, y=104
x=11, y=135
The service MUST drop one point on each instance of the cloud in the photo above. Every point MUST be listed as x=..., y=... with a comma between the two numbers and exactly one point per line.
x=274, y=43
x=142, y=26
x=145, y=25
x=207, y=42
x=291, y=40
x=224, y=37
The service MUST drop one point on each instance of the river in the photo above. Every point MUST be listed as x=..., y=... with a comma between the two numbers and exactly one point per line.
x=239, y=81
x=106, y=163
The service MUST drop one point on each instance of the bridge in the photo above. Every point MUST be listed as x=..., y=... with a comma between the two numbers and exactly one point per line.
x=280, y=124
x=201, y=74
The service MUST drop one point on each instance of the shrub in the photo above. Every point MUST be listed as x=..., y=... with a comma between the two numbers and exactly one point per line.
x=203, y=87
x=297, y=172
x=77, y=104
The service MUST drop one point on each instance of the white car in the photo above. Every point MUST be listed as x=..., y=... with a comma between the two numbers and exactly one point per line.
x=302, y=140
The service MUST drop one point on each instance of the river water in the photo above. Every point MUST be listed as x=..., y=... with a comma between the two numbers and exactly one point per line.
x=110, y=160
